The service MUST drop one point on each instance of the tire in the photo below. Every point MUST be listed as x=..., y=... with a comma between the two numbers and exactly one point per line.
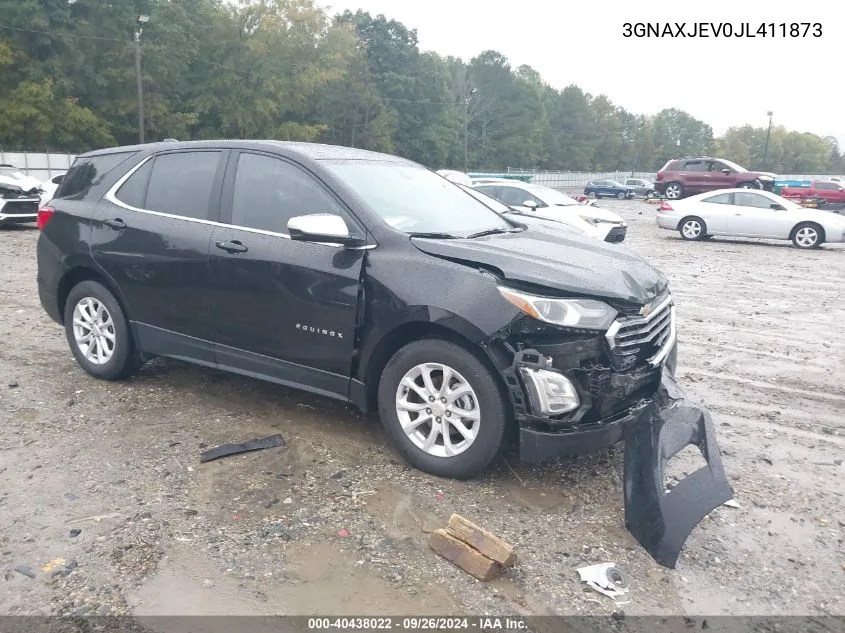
x=674, y=191
x=592, y=195
x=469, y=457
x=749, y=185
x=692, y=228
x=620, y=195
x=117, y=358
x=649, y=195
x=807, y=235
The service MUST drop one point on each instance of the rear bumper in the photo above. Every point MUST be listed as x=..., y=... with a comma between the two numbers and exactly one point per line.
x=616, y=234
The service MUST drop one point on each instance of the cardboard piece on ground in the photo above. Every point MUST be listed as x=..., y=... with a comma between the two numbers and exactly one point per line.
x=463, y=555
x=484, y=541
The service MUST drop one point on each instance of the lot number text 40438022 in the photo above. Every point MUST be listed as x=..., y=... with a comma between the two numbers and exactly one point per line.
x=417, y=623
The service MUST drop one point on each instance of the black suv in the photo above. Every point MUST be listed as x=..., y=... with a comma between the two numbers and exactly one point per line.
x=366, y=278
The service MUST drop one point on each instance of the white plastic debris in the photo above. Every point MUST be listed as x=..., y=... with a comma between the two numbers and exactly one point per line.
x=732, y=503
x=606, y=578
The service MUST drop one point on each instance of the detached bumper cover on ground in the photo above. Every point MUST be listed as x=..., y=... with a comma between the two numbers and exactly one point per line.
x=661, y=521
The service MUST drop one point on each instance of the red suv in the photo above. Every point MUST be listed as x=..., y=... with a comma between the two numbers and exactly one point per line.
x=687, y=176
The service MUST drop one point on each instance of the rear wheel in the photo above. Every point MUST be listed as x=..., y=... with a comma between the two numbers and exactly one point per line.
x=592, y=195
x=649, y=195
x=692, y=228
x=442, y=409
x=621, y=195
x=98, y=332
x=749, y=185
x=807, y=235
x=674, y=191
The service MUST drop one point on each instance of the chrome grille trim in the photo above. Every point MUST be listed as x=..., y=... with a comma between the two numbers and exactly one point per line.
x=626, y=336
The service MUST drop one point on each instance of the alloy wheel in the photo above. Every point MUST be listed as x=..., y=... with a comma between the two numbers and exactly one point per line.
x=807, y=237
x=93, y=330
x=691, y=229
x=673, y=192
x=438, y=409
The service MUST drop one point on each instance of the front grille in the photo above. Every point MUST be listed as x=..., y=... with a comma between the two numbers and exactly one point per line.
x=616, y=234
x=19, y=207
x=635, y=340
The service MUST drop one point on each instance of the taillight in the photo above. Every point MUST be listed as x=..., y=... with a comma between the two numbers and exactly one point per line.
x=44, y=216
x=665, y=207
x=660, y=175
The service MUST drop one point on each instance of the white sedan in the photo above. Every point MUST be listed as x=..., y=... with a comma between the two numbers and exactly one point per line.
x=750, y=213
x=551, y=204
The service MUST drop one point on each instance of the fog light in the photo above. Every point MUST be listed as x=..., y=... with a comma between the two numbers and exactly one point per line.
x=550, y=393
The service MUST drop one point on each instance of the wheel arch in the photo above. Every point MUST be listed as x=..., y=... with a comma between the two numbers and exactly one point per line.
x=463, y=334
x=85, y=272
x=819, y=227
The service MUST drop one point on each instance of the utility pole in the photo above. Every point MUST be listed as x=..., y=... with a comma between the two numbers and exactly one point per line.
x=467, y=101
x=768, y=136
x=139, y=28
x=639, y=143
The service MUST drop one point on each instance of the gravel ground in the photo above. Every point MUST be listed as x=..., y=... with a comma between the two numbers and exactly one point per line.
x=104, y=503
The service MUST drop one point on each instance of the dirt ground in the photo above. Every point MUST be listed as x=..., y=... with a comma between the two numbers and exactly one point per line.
x=336, y=523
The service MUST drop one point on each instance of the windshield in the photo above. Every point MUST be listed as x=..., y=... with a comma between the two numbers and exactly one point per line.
x=412, y=199
x=483, y=198
x=733, y=166
x=551, y=196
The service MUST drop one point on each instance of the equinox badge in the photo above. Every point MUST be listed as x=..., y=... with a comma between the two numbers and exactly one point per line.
x=317, y=330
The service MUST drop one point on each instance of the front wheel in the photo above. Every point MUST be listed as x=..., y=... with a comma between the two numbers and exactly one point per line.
x=807, y=235
x=621, y=195
x=442, y=409
x=98, y=332
x=592, y=195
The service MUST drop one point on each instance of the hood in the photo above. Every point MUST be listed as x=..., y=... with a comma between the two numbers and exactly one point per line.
x=19, y=181
x=766, y=175
x=563, y=217
x=568, y=264
x=600, y=214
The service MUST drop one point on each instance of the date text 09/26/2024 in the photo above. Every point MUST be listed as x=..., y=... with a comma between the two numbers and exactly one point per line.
x=722, y=29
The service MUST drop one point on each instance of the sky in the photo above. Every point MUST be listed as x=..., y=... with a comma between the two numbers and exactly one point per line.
x=722, y=81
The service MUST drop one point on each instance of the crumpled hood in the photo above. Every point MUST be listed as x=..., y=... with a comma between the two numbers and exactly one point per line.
x=22, y=182
x=570, y=264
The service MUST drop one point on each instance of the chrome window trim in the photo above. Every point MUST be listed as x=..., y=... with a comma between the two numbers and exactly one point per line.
x=111, y=196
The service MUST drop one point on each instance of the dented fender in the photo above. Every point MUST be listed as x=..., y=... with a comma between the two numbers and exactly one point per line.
x=661, y=521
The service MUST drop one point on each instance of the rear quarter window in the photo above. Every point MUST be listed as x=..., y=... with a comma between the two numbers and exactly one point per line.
x=87, y=172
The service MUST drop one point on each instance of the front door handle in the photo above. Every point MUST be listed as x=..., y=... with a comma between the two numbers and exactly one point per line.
x=232, y=247
x=115, y=223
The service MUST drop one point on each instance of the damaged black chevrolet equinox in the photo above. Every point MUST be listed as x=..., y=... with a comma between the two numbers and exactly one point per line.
x=371, y=279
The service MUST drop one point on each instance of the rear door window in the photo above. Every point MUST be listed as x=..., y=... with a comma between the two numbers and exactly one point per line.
x=695, y=165
x=89, y=171
x=181, y=183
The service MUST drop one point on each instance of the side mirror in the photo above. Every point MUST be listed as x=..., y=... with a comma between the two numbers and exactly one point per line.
x=322, y=227
x=530, y=204
x=778, y=207
x=726, y=171
x=58, y=179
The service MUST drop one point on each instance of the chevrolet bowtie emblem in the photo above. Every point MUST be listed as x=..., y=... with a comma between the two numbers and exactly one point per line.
x=646, y=310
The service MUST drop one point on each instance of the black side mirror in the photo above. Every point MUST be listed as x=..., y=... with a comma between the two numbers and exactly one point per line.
x=778, y=207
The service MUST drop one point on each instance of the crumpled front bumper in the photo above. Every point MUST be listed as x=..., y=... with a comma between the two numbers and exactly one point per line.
x=653, y=433
x=662, y=520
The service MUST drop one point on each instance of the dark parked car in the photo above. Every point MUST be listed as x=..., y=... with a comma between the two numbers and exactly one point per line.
x=370, y=279
x=687, y=176
x=607, y=189
x=641, y=187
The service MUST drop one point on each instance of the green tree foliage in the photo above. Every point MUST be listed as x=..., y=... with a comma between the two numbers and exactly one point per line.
x=285, y=69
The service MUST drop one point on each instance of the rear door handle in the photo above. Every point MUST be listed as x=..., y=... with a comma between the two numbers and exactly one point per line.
x=232, y=247
x=116, y=223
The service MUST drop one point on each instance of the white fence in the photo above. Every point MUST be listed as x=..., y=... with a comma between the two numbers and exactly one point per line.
x=41, y=166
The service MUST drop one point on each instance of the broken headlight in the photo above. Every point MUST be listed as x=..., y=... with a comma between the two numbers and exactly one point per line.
x=579, y=313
